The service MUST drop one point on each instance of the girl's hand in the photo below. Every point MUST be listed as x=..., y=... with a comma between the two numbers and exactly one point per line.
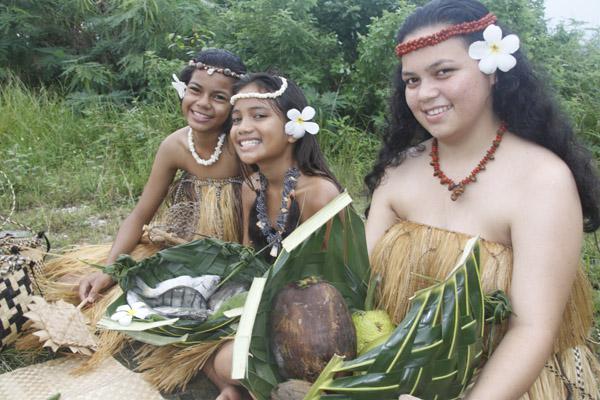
x=407, y=397
x=92, y=284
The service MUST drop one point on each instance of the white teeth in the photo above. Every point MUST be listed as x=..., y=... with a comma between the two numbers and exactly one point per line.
x=437, y=110
x=200, y=114
x=252, y=142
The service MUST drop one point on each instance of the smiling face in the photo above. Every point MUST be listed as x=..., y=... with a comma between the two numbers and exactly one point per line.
x=206, y=102
x=445, y=90
x=258, y=130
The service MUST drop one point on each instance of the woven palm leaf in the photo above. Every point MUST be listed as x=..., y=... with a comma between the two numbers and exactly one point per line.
x=339, y=258
x=434, y=351
x=230, y=261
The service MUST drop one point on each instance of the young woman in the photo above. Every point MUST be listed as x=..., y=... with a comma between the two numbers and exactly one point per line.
x=287, y=178
x=477, y=146
x=205, y=201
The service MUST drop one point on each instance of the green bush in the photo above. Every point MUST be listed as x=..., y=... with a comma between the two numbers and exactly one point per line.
x=281, y=35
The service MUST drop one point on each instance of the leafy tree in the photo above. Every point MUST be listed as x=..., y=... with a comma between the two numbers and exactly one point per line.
x=369, y=87
x=281, y=35
x=103, y=47
x=349, y=19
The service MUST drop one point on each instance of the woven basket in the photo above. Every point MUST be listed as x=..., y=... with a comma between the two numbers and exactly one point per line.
x=21, y=257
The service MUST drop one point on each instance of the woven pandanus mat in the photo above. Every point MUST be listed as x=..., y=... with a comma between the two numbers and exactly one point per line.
x=110, y=380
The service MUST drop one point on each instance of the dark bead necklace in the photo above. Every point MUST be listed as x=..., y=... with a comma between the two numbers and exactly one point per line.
x=458, y=189
x=274, y=235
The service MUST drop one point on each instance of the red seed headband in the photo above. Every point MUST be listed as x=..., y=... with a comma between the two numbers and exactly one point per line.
x=445, y=34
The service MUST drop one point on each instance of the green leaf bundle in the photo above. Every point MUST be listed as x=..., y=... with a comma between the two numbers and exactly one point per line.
x=230, y=261
x=434, y=351
x=338, y=256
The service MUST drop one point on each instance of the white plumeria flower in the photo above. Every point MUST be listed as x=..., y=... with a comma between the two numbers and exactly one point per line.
x=299, y=122
x=125, y=313
x=495, y=51
x=179, y=86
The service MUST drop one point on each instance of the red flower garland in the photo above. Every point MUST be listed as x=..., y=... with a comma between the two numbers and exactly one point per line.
x=445, y=34
x=458, y=189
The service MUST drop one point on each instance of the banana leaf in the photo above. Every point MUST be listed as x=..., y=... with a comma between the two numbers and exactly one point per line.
x=434, y=351
x=337, y=256
x=231, y=261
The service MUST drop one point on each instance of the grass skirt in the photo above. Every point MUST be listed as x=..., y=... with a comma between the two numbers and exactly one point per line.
x=409, y=253
x=213, y=208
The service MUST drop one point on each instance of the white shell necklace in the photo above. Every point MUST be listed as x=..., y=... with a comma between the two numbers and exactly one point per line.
x=215, y=155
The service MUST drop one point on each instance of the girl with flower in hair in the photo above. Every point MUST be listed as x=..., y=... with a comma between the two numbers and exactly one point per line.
x=477, y=146
x=203, y=201
x=286, y=177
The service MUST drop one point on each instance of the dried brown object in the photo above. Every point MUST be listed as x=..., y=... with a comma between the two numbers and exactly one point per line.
x=310, y=323
x=61, y=324
x=293, y=389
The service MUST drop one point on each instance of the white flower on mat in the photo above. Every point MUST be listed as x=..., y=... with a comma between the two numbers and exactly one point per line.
x=179, y=86
x=495, y=51
x=299, y=122
x=125, y=313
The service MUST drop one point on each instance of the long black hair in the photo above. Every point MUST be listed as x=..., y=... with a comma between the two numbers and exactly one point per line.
x=307, y=152
x=520, y=99
x=217, y=58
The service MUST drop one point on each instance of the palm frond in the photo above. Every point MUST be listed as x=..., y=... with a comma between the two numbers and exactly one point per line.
x=339, y=258
x=434, y=351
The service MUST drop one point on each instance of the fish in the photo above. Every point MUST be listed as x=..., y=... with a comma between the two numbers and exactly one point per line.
x=225, y=292
x=206, y=285
x=183, y=313
x=182, y=297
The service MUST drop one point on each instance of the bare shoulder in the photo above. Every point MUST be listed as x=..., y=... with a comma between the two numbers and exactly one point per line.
x=541, y=187
x=537, y=171
x=313, y=193
x=400, y=182
x=175, y=140
x=411, y=160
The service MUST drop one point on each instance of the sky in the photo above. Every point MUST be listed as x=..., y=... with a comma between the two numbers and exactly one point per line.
x=582, y=10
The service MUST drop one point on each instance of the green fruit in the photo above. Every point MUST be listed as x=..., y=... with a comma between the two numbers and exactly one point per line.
x=372, y=328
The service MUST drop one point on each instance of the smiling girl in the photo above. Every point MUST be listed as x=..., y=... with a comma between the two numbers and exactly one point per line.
x=204, y=202
x=287, y=178
x=477, y=146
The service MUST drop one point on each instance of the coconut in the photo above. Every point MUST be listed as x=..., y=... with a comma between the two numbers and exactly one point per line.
x=310, y=322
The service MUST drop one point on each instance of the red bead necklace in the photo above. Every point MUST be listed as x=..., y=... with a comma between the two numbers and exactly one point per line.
x=459, y=188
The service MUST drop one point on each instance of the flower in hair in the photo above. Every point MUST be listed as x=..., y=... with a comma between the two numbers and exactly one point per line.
x=125, y=313
x=299, y=122
x=179, y=86
x=494, y=52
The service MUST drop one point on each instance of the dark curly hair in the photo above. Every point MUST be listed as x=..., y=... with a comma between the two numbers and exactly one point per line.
x=520, y=98
x=307, y=152
x=218, y=58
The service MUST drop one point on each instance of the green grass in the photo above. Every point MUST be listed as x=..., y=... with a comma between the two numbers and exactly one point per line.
x=12, y=359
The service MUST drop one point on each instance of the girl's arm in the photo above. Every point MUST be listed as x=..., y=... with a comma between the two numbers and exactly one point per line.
x=381, y=214
x=546, y=235
x=130, y=231
x=248, y=198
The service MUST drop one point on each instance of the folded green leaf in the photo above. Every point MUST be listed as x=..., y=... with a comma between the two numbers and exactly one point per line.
x=230, y=261
x=434, y=351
